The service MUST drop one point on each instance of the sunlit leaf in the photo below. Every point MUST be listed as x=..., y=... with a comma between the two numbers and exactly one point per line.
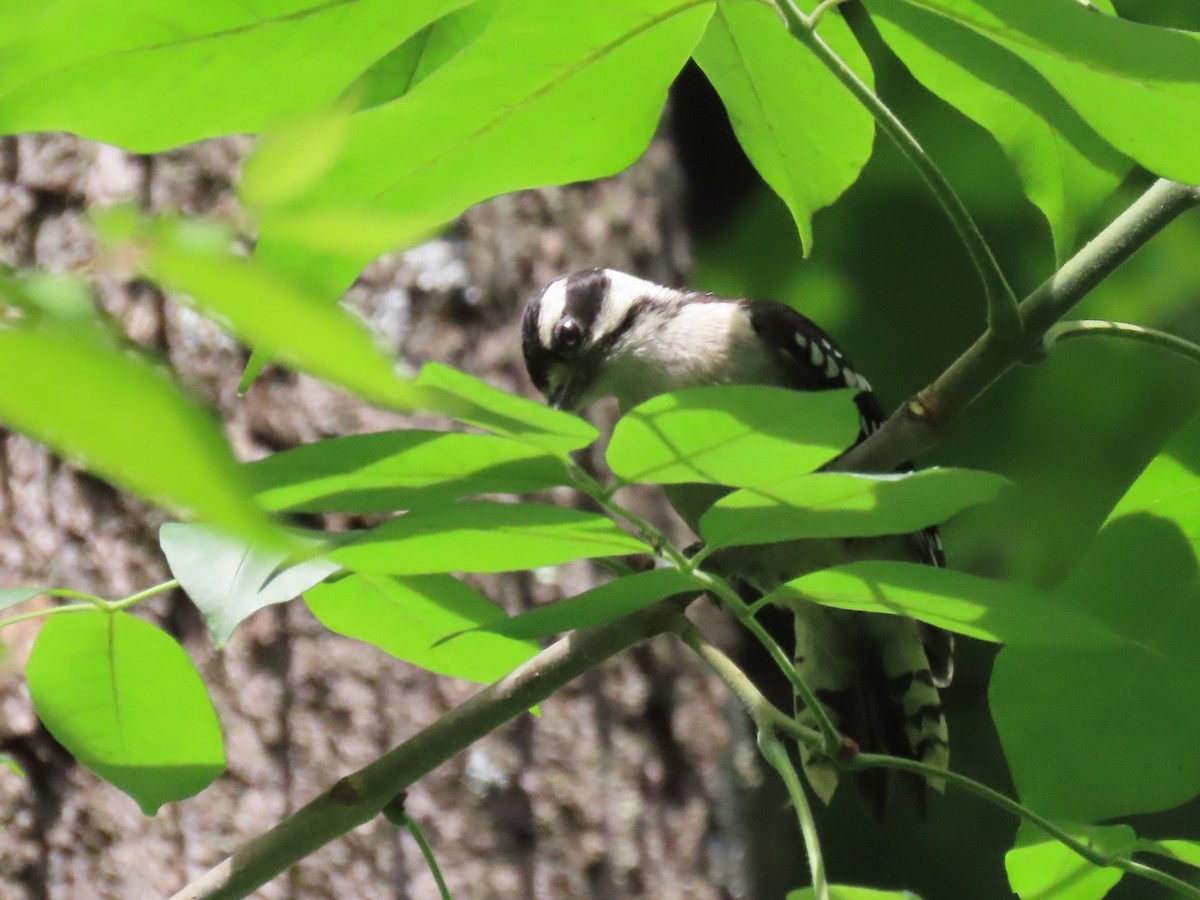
x=1137, y=85
x=741, y=435
x=1041, y=868
x=998, y=611
x=484, y=537
x=774, y=90
x=147, y=75
x=839, y=504
x=229, y=580
x=406, y=617
x=394, y=470
x=1065, y=168
x=125, y=700
x=1183, y=851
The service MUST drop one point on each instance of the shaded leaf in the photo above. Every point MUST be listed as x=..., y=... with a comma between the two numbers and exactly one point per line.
x=393, y=470
x=774, y=89
x=10, y=597
x=1183, y=851
x=999, y=611
x=739, y=435
x=597, y=606
x=484, y=537
x=839, y=504
x=125, y=700
x=405, y=617
x=843, y=892
x=470, y=400
x=1040, y=868
x=229, y=580
x=148, y=76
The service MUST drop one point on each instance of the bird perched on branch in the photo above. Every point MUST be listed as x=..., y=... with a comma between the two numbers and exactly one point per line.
x=601, y=333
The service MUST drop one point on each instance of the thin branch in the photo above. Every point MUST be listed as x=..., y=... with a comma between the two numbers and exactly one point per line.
x=814, y=18
x=921, y=422
x=1063, y=331
x=46, y=613
x=1003, y=321
x=358, y=798
x=776, y=754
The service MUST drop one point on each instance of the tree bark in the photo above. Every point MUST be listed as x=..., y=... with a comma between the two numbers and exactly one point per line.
x=614, y=792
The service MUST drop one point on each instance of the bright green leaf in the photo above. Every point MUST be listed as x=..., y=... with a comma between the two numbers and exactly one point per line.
x=839, y=504
x=999, y=611
x=1187, y=852
x=1041, y=868
x=290, y=157
x=741, y=435
x=147, y=75
x=394, y=470
x=126, y=701
x=229, y=580
x=1137, y=85
x=598, y=606
x=406, y=66
x=484, y=537
x=303, y=329
x=1129, y=711
x=470, y=400
x=805, y=133
x=536, y=99
x=10, y=597
x=1067, y=169
x=407, y=616
x=59, y=386
x=12, y=765
x=842, y=892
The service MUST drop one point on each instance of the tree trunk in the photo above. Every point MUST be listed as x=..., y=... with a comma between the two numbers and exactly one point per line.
x=609, y=794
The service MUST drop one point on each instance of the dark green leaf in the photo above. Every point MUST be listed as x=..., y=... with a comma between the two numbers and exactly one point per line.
x=774, y=89
x=1040, y=867
x=1065, y=167
x=228, y=580
x=536, y=99
x=125, y=700
x=472, y=401
x=10, y=597
x=596, y=607
x=740, y=435
x=394, y=470
x=407, y=616
x=484, y=537
x=1137, y=85
x=58, y=385
x=149, y=76
x=989, y=610
x=838, y=504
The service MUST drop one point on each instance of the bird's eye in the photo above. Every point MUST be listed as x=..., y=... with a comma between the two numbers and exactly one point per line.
x=567, y=335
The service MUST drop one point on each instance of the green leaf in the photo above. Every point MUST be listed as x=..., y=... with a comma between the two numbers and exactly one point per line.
x=1137, y=85
x=406, y=617
x=536, y=99
x=739, y=435
x=1187, y=852
x=126, y=701
x=1066, y=169
x=229, y=580
x=998, y=611
x=289, y=158
x=304, y=330
x=10, y=597
x=148, y=76
x=774, y=89
x=470, y=400
x=842, y=892
x=596, y=607
x=1041, y=868
x=839, y=504
x=484, y=537
x=12, y=765
x=58, y=385
x=393, y=470
x=1128, y=711
x=403, y=68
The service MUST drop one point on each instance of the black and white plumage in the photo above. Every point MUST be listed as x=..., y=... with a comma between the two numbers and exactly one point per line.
x=601, y=332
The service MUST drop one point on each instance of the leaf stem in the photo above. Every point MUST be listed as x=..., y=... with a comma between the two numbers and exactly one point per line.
x=776, y=754
x=419, y=836
x=814, y=17
x=47, y=612
x=1062, y=331
x=1002, y=317
x=149, y=592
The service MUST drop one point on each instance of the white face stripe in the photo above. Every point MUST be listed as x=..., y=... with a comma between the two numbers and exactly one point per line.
x=554, y=298
x=623, y=291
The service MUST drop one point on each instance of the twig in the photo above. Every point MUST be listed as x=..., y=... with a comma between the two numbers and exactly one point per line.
x=1003, y=321
x=1063, y=331
x=776, y=754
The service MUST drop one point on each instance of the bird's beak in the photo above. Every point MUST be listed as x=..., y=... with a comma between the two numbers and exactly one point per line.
x=567, y=395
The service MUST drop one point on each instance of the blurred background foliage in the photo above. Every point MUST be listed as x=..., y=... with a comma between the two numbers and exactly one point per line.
x=890, y=280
